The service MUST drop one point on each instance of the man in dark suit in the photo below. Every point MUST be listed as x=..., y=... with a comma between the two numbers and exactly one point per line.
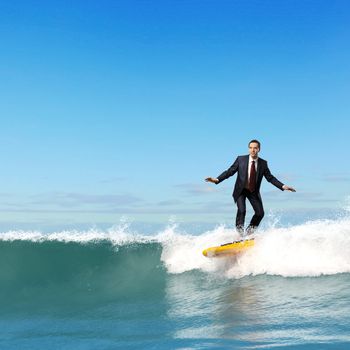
x=251, y=170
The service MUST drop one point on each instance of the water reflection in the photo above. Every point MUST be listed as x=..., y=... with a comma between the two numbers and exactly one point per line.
x=260, y=310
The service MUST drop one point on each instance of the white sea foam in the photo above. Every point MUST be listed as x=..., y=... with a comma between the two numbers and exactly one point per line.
x=311, y=249
x=117, y=235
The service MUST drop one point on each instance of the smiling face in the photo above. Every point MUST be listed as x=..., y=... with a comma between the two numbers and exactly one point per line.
x=254, y=149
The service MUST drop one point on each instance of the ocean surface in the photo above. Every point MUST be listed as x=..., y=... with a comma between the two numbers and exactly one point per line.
x=121, y=289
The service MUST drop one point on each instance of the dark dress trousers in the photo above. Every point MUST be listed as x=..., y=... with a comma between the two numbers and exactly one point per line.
x=241, y=191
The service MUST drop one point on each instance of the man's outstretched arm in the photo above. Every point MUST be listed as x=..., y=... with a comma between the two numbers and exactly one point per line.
x=225, y=175
x=270, y=178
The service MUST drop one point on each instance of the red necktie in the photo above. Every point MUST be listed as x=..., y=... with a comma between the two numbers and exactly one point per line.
x=252, y=178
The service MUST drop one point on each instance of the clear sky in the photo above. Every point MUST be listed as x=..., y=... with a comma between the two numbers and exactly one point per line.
x=116, y=109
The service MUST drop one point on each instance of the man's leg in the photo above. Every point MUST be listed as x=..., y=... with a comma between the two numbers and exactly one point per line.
x=257, y=205
x=241, y=211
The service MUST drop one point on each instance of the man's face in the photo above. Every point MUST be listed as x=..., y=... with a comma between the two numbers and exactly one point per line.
x=254, y=149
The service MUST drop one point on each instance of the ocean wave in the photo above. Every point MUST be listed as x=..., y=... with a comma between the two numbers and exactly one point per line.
x=118, y=259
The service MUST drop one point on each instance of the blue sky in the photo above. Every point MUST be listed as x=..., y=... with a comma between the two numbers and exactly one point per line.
x=116, y=109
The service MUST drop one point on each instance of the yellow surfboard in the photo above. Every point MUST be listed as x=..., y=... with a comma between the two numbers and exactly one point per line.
x=229, y=249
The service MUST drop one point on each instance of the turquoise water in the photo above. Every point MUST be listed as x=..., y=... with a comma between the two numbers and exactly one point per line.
x=117, y=289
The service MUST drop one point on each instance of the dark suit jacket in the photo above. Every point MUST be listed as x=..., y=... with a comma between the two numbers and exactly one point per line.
x=241, y=165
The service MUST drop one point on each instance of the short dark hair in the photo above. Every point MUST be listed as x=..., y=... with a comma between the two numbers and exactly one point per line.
x=256, y=141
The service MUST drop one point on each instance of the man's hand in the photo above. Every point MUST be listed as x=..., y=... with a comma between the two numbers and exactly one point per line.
x=211, y=179
x=287, y=188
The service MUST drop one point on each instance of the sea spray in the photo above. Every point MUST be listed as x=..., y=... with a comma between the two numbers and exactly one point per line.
x=311, y=249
